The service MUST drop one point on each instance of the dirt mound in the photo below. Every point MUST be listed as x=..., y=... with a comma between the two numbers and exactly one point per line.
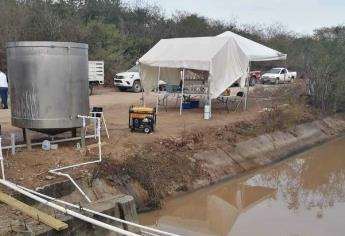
x=158, y=173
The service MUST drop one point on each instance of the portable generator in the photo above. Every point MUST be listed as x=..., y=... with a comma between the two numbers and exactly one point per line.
x=142, y=118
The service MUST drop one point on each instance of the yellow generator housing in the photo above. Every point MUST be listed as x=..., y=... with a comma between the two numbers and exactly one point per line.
x=142, y=118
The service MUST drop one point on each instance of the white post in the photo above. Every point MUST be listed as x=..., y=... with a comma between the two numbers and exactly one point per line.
x=13, y=143
x=142, y=87
x=209, y=94
x=2, y=162
x=182, y=87
x=157, y=89
x=246, y=89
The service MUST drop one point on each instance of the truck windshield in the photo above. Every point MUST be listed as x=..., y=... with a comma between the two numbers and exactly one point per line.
x=274, y=71
x=134, y=69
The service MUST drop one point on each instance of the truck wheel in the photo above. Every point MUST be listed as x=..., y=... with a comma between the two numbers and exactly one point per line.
x=136, y=86
x=90, y=90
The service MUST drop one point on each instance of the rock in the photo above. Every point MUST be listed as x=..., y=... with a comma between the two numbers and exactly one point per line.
x=49, y=177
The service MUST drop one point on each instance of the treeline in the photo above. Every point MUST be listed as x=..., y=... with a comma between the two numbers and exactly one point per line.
x=120, y=34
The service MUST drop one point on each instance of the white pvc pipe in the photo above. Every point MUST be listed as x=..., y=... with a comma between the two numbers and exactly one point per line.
x=75, y=184
x=67, y=211
x=102, y=119
x=98, y=213
x=76, y=165
x=55, y=141
x=97, y=134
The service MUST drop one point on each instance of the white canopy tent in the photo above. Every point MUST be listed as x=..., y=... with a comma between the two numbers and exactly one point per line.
x=226, y=58
x=253, y=50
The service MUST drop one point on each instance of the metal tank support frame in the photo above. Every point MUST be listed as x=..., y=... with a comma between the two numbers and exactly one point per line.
x=28, y=139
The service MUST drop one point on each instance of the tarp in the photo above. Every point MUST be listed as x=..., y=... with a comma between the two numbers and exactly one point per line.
x=226, y=58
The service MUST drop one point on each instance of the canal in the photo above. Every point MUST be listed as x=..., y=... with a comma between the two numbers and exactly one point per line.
x=304, y=195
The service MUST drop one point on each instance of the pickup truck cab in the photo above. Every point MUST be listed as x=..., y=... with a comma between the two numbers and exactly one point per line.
x=130, y=80
x=278, y=75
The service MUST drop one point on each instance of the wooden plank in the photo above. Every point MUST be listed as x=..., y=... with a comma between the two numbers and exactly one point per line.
x=33, y=212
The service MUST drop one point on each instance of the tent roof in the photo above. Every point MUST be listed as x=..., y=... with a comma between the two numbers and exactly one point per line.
x=192, y=53
x=254, y=50
x=196, y=53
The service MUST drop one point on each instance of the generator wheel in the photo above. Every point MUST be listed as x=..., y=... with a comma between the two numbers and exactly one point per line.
x=147, y=130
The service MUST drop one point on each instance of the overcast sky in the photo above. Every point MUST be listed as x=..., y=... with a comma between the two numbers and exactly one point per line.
x=301, y=16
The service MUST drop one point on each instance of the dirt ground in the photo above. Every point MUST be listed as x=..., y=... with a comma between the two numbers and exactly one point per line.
x=30, y=167
x=149, y=166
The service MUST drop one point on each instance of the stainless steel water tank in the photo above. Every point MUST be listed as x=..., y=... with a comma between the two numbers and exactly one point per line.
x=48, y=85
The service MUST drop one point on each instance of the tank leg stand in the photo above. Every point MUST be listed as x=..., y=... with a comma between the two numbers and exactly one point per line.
x=82, y=136
x=24, y=135
x=74, y=133
x=27, y=138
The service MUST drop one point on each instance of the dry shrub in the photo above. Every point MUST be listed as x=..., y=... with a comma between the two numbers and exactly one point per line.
x=284, y=106
x=282, y=117
x=187, y=141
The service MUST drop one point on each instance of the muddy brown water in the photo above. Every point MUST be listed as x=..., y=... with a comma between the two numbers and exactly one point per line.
x=304, y=195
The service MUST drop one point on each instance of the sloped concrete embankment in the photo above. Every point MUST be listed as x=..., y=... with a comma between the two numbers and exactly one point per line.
x=226, y=162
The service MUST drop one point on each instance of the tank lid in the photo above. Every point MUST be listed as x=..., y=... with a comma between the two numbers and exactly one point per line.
x=47, y=44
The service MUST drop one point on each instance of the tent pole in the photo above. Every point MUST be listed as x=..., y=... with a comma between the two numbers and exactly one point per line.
x=142, y=88
x=182, y=88
x=247, y=89
x=157, y=89
x=209, y=94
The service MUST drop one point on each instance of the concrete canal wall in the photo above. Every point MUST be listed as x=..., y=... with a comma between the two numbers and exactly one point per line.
x=266, y=149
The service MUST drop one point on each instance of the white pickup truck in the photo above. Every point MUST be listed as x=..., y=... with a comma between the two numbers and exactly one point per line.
x=130, y=79
x=278, y=75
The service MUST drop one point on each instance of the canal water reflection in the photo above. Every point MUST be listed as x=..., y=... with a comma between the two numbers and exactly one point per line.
x=304, y=195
